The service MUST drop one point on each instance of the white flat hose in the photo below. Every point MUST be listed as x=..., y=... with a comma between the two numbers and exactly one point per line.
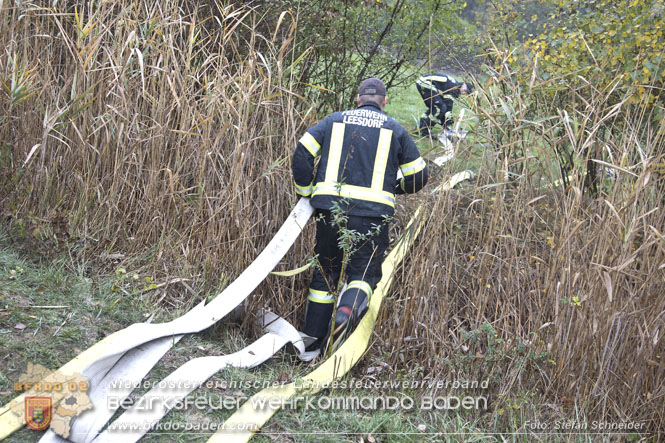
x=97, y=361
x=448, y=146
x=120, y=380
x=455, y=180
x=120, y=361
x=137, y=421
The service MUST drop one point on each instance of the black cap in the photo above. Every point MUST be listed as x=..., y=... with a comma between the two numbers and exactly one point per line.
x=469, y=87
x=372, y=86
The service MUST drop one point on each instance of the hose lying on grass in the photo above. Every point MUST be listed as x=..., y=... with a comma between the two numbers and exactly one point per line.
x=111, y=355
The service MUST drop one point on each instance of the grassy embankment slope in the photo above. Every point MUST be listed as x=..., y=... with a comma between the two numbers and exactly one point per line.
x=141, y=140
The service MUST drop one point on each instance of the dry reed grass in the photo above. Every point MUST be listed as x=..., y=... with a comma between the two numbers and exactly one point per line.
x=545, y=290
x=154, y=129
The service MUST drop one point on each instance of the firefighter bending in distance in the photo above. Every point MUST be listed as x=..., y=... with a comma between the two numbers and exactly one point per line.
x=360, y=152
x=438, y=91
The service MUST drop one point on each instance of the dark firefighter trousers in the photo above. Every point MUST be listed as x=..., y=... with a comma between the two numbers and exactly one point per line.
x=363, y=270
x=438, y=108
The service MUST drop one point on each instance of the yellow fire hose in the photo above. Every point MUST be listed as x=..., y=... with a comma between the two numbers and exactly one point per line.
x=249, y=418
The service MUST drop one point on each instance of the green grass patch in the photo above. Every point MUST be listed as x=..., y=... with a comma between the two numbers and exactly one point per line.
x=406, y=106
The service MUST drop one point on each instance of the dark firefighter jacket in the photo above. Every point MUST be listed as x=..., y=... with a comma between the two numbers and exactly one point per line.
x=360, y=152
x=440, y=84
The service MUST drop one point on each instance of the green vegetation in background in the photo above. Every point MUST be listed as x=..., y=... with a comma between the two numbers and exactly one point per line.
x=506, y=23
x=610, y=44
x=592, y=72
x=347, y=41
x=405, y=105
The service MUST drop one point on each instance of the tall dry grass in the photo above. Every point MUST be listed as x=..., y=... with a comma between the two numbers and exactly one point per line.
x=550, y=293
x=163, y=131
x=150, y=127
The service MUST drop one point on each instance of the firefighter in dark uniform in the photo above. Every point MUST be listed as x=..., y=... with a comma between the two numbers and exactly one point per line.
x=438, y=91
x=360, y=152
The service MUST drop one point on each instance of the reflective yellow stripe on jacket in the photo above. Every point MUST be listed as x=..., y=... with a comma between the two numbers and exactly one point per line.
x=335, y=154
x=428, y=82
x=304, y=191
x=413, y=167
x=375, y=193
x=357, y=192
x=310, y=144
x=381, y=159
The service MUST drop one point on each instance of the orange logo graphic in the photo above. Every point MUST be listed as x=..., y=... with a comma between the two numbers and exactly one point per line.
x=38, y=412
